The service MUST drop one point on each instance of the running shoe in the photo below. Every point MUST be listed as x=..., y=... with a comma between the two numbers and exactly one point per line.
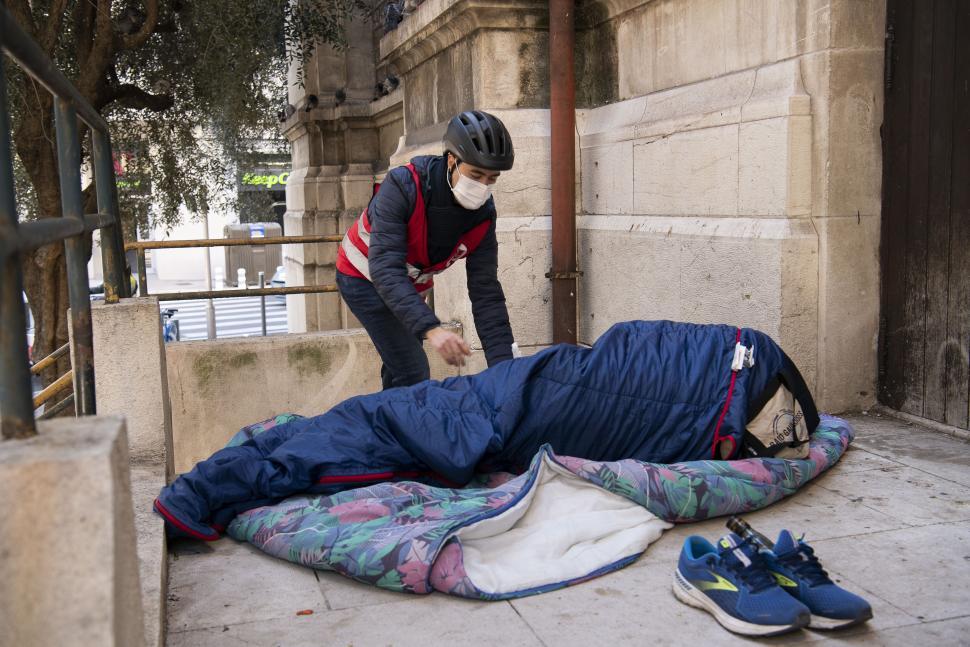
x=797, y=570
x=731, y=583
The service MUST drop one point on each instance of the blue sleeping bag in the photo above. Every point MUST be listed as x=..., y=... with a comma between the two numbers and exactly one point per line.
x=655, y=391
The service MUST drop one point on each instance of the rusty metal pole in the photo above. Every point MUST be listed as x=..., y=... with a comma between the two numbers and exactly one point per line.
x=562, y=100
x=78, y=290
x=16, y=408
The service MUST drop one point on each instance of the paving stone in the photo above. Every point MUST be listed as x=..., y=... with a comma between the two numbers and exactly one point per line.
x=938, y=454
x=420, y=622
x=227, y=582
x=856, y=459
x=904, y=493
x=814, y=510
x=635, y=605
x=344, y=593
x=857, y=515
x=924, y=571
x=943, y=633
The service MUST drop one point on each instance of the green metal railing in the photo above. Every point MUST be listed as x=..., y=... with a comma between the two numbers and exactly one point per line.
x=16, y=401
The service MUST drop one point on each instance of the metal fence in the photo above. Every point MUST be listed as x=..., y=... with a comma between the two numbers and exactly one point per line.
x=16, y=401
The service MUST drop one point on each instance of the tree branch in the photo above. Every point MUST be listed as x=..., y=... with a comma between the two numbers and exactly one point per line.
x=103, y=36
x=84, y=30
x=147, y=28
x=131, y=96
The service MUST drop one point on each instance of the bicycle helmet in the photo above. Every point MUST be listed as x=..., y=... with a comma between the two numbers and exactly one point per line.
x=480, y=139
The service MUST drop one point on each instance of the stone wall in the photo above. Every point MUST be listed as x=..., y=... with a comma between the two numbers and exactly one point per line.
x=218, y=387
x=728, y=164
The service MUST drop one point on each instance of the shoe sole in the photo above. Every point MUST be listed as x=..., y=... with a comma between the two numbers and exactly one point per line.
x=828, y=624
x=689, y=595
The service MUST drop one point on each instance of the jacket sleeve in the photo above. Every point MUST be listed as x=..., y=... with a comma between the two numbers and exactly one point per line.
x=388, y=213
x=488, y=300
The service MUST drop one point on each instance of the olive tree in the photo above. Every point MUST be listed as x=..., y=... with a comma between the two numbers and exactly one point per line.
x=186, y=87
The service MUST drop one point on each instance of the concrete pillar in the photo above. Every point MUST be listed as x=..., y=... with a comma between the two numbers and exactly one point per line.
x=68, y=566
x=130, y=374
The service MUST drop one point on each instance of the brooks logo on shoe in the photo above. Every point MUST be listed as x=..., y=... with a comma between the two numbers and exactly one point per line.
x=720, y=584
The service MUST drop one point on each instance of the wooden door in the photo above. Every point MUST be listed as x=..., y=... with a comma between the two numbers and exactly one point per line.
x=925, y=317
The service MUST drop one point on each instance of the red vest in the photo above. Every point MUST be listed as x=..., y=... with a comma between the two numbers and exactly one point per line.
x=352, y=255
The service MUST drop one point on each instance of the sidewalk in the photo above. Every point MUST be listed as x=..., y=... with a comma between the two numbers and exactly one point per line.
x=891, y=521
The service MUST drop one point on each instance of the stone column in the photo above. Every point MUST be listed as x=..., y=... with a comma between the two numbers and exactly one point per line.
x=336, y=134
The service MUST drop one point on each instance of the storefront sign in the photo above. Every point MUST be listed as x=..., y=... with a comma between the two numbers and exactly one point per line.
x=264, y=180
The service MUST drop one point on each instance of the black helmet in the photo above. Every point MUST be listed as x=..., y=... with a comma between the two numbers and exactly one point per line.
x=480, y=139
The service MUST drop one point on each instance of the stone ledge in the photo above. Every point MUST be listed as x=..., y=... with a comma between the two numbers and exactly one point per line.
x=595, y=12
x=356, y=115
x=146, y=481
x=439, y=24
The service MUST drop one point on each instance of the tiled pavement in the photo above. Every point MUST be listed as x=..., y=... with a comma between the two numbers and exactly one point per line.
x=891, y=521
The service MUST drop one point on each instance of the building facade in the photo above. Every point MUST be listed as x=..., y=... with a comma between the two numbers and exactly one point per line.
x=728, y=164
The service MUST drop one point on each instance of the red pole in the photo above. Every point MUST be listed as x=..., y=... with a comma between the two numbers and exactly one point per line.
x=562, y=91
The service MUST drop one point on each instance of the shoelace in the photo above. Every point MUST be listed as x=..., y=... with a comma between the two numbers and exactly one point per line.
x=804, y=562
x=755, y=576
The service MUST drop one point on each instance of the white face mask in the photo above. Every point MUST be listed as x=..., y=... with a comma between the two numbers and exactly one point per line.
x=469, y=193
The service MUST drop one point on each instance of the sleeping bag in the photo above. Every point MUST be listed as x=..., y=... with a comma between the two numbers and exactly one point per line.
x=656, y=391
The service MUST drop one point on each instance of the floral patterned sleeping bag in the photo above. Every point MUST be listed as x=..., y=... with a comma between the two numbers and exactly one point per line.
x=562, y=521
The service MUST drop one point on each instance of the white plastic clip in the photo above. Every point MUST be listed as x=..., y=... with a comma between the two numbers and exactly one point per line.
x=738, y=362
x=749, y=358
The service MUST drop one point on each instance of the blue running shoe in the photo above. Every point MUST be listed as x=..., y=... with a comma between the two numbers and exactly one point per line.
x=731, y=583
x=797, y=570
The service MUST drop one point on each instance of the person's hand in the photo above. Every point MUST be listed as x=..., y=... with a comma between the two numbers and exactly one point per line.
x=450, y=346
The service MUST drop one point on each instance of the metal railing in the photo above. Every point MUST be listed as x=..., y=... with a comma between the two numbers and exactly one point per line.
x=140, y=247
x=16, y=401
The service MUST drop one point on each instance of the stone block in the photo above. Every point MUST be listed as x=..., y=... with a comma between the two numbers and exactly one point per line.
x=68, y=560
x=327, y=190
x=454, y=87
x=763, y=167
x=131, y=379
x=703, y=39
x=855, y=104
x=525, y=255
x=688, y=173
x=756, y=272
x=218, y=387
x=607, y=176
x=848, y=311
x=858, y=23
x=419, y=95
x=649, y=265
x=526, y=190
x=358, y=188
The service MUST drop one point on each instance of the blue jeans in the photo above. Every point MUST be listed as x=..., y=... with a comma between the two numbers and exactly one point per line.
x=405, y=362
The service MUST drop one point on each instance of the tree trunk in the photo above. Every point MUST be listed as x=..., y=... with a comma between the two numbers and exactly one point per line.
x=45, y=271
